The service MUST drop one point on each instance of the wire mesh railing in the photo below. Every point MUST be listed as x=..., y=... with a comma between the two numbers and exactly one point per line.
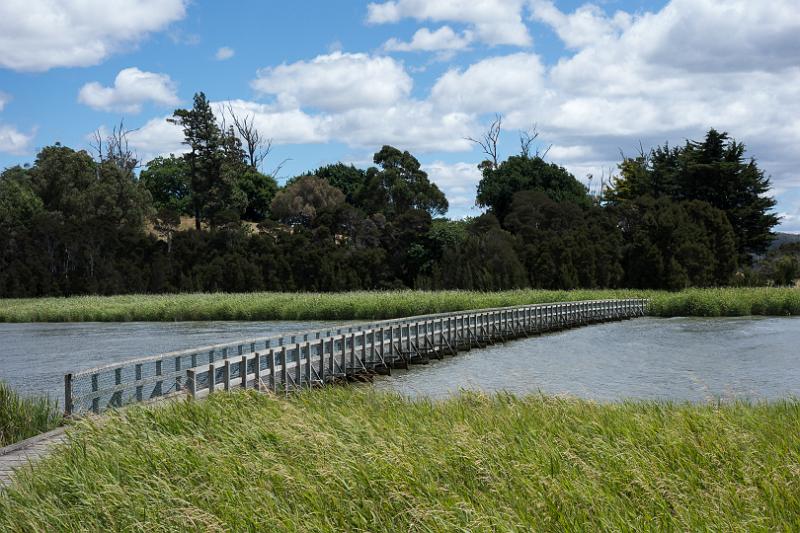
x=290, y=361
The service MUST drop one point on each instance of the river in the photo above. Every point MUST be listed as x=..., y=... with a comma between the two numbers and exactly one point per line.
x=694, y=359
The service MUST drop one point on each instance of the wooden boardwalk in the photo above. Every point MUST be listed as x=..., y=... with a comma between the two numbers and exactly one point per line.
x=313, y=358
x=290, y=362
x=27, y=452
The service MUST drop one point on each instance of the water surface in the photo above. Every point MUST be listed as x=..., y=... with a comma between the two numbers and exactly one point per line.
x=694, y=359
x=34, y=357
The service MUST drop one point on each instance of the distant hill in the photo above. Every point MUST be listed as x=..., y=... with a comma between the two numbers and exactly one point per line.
x=784, y=238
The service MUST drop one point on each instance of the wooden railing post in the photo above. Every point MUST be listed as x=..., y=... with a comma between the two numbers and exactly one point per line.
x=191, y=382
x=68, y=395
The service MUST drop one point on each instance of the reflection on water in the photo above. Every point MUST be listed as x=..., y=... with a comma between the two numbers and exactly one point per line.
x=35, y=357
x=695, y=359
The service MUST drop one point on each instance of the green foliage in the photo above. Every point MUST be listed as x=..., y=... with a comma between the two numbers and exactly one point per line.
x=484, y=259
x=347, y=178
x=346, y=459
x=22, y=418
x=215, y=162
x=676, y=244
x=714, y=171
x=563, y=245
x=372, y=305
x=523, y=173
x=259, y=189
x=168, y=180
x=18, y=203
x=300, y=202
x=782, y=265
x=399, y=186
x=72, y=225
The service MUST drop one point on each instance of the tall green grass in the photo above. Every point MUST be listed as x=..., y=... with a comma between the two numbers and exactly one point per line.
x=377, y=305
x=21, y=418
x=339, y=459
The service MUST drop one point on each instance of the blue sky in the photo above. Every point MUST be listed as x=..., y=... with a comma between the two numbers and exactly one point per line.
x=332, y=81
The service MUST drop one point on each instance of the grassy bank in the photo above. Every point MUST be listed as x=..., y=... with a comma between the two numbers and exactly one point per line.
x=376, y=305
x=340, y=459
x=21, y=418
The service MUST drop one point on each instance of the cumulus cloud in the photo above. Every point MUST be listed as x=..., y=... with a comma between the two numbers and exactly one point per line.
x=493, y=21
x=13, y=141
x=458, y=181
x=424, y=40
x=588, y=25
x=37, y=35
x=336, y=81
x=132, y=88
x=623, y=78
x=503, y=84
x=224, y=53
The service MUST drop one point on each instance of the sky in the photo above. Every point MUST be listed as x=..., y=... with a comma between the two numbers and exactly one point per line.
x=335, y=80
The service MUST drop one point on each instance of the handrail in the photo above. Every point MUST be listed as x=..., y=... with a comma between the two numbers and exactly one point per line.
x=107, y=385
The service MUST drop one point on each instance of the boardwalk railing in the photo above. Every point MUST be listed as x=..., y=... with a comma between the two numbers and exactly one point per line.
x=288, y=362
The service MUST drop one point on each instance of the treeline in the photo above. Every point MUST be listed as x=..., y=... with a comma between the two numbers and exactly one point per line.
x=71, y=223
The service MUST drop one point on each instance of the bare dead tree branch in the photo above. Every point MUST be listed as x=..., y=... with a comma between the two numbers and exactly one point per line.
x=526, y=139
x=488, y=142
x=277, y=169
x=119, y=150
x=96, y=144
x=256, y=146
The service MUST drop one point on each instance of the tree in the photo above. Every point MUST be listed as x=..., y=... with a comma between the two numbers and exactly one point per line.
x=399, y=186
x=214, y=160
x=347, y=178
x=485, y=260
x=168, y=180
x=301, y=201
x=672, y=245
x=259, y=189
x=524, y=173
x=562, y=245
x=715, y=171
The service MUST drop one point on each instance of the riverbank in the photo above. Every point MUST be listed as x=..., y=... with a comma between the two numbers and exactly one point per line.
x=340, y=458
x=378, y=305
x=21, y=417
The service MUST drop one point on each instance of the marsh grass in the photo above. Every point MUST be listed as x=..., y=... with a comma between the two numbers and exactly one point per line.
x=345, y=459
x=21, y=418
x=378, y=305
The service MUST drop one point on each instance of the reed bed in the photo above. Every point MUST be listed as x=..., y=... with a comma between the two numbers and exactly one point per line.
x=350, y=459
x=22, y=418
x=378, y=305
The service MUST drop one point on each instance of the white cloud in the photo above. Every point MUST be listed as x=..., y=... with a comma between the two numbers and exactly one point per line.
x=13, y=141
x=336, y=81
x=224, y=53
x=132, y=88
x=283, y=126
x=425, y=40
x=588, y=25
x=502, y=84
x=37, y=35
x=493, y=21
x=411, y=125
x=157, y=137
x=458, y=181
